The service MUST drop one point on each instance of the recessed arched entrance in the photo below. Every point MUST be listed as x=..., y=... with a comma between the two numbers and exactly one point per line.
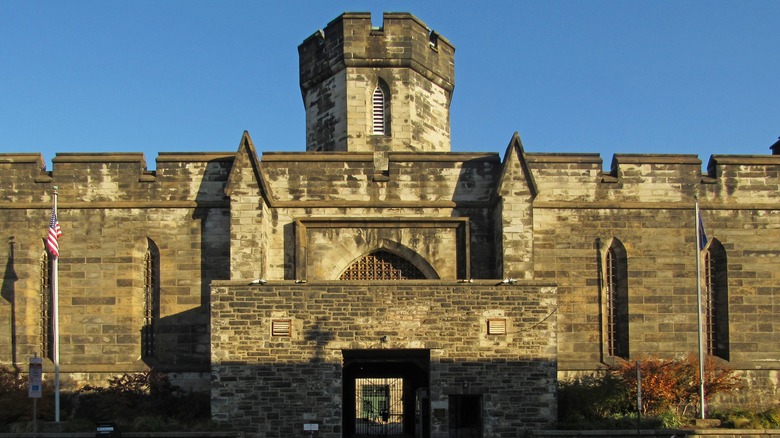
x=385, y=393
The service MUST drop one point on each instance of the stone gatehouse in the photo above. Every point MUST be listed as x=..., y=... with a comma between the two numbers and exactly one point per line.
x=378, y=283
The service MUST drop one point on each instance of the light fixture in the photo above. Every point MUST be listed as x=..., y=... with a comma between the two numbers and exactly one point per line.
x=258, y=281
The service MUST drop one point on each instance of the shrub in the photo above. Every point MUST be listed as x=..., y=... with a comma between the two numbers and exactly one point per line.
x=142, y=401
x=15, y=404
x=673, y=385
x=749, y=419
x=592, y=400
x=670, y=393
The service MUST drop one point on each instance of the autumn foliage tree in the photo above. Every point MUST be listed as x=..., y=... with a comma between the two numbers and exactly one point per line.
x=673, y=385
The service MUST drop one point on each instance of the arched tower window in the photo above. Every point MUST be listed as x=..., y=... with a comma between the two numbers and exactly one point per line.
x=382, y=265
x=47, y=346
x=615, y=299
x=380, y=109
x=716, y=304
x=151, y=299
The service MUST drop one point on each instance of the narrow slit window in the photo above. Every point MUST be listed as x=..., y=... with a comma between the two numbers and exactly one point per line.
x=47, y=346
x=151, y=300
x=716, y=321
x=616, y=301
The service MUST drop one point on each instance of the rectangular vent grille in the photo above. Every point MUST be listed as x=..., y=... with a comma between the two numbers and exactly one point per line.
x=281, y=327
x=496, y=326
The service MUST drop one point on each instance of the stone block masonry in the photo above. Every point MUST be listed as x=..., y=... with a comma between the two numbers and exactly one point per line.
x=112, y=210
x=270, y=385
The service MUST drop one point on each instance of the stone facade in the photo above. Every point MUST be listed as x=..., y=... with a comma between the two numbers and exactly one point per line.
x=341, y=67
x=111, y=210
x=296, y=285
x=299, y=379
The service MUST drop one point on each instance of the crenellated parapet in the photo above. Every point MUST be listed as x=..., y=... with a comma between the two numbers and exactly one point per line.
x=85, y=179
x=371, y=89
x=402, y=41
x=655, y=178
x=21, y=176
x=743, y=179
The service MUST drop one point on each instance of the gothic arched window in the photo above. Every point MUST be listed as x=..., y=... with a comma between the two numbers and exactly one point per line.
x=616, y=301
x=382, y=265
x=47, y=346
x=716, y=304
x=379, y=109
x=151, y=299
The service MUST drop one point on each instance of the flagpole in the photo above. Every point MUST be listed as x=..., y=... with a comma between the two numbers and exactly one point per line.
x=55, y=324
x=699, y=309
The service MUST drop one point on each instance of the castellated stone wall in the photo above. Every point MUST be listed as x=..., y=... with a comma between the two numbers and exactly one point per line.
x=111, y=209
x=647, y=203
x=342, y=65
x=534, y=217
x=439, y=206
x=271, y=385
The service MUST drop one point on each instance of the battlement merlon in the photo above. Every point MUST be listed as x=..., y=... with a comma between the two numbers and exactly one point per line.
x=743, y=165
x=121, y=178
x=351, y=41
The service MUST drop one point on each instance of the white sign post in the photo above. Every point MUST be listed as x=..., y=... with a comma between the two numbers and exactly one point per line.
x=35, y=387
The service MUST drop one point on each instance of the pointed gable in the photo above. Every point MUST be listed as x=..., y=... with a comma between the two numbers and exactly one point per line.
x=245, y=176
x=516, y=191
x=515, y=170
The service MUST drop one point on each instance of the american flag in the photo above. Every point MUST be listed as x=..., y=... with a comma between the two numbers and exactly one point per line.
x=702, y=235
x=52, y=241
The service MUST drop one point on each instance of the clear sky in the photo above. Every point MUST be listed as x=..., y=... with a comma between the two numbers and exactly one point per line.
x=691, y=77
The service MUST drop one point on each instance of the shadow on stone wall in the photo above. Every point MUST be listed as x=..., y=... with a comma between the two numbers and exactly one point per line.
x=8, y=292
x=475, y=198
x=183, y=339
x=460, y=398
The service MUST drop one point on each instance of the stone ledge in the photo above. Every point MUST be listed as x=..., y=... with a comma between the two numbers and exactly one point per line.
x=127, y=435
x=660, y=433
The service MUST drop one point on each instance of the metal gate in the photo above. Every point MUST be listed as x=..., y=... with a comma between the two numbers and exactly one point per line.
x=379, y=406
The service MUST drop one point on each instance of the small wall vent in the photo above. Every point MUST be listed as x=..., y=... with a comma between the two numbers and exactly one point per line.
x=496, y=326
x=281, y=327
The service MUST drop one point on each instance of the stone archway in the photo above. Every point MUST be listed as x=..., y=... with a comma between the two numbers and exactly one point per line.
x=388, y=261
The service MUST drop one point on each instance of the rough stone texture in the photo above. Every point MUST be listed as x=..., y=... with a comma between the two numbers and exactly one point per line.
x=223, y=221
x=514, y=214
x=342, y=65
x=300, y=376
x=430, y=188
x=109, y=208
x=647, y=202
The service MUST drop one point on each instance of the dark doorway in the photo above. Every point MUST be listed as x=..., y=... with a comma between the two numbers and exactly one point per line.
x=385, y=393
x=465, y=416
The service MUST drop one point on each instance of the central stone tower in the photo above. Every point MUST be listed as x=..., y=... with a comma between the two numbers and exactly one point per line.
x=370, y=89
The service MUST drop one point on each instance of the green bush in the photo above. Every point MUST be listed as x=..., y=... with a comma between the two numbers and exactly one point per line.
x=15, y=404
x=749, y=419
x=143, y=402
x=593, y=402
x=669, y=395
x=149, y=423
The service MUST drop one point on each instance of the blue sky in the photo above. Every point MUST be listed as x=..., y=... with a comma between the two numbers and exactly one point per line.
x=692, y=77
